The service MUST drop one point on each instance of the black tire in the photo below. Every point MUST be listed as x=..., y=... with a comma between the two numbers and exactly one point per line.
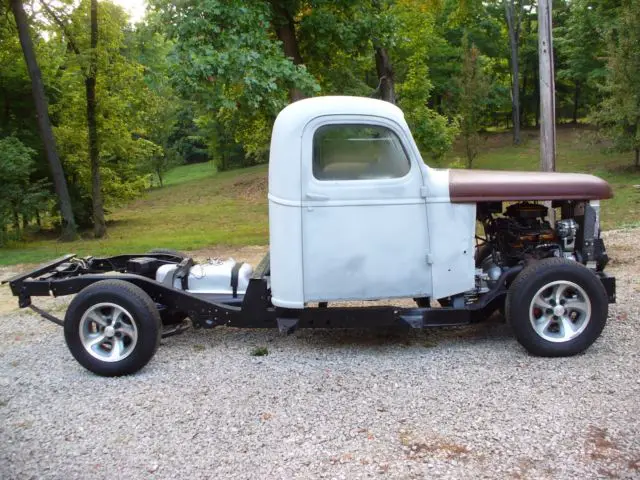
x=521, y=312
x=168, y=251
x=119, y=295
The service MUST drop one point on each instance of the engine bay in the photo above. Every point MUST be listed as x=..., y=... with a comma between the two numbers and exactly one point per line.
x=522, y=233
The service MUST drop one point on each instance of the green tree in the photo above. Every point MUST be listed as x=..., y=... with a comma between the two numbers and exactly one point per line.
x=44, y=123
x=514, y=10
x=229, y=61
x=474, y=89
x=581, y=52
x=20, y=197
x=125, y=157
x=619, y=113
x=159, y=121
x=433, y=132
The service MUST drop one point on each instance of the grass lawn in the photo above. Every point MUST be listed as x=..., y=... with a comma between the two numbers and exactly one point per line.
x=199, y=207
x=187, y=173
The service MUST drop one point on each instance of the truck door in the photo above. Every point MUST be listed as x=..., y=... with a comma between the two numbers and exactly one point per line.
x=364, y=222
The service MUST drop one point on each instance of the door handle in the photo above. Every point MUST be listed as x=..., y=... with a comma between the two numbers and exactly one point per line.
x=317, y=196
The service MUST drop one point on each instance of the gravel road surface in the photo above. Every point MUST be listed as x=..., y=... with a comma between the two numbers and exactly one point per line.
x=445, y=403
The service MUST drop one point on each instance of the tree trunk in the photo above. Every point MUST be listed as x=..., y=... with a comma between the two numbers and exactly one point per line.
x=386, y=87
x=576, y=99
x=99, y=225
x=7, y=108
x=637, y=157
x=159, y=173
x=16, y=222
x=286, y=32
x=523, y=101
x=513, y=24
x=536, y=95
x=44, y=124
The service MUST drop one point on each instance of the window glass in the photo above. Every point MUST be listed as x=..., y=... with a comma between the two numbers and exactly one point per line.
x=358, y=152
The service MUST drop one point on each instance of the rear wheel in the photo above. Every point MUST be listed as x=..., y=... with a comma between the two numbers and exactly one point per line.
x=112, y=328
x=557, y=307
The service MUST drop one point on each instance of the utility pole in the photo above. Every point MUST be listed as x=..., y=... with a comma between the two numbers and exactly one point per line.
x=547, y=88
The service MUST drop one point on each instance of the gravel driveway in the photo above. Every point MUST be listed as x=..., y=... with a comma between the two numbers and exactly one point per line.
x=445, y=403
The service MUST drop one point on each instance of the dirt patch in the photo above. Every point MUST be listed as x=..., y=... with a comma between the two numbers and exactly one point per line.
x=435, y=446
x=251, y=254
x=8, y=302
x=622, y=246
x=599, y=444
x=253, y=188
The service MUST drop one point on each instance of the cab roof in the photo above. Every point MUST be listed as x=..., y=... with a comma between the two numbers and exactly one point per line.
x=302, y=111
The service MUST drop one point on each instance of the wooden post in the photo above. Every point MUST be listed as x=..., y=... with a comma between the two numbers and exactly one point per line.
x=547, y=88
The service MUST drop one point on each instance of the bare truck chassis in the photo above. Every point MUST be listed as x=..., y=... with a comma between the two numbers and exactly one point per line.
x=68, y=275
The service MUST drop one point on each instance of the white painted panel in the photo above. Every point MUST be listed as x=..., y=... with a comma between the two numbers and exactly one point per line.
x=365, y=252
x=285, y=237
x=452, y=230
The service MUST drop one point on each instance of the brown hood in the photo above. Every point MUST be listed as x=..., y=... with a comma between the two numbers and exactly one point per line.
x=496, y=185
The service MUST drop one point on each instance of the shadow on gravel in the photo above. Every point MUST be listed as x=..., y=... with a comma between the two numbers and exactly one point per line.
x=491, y=332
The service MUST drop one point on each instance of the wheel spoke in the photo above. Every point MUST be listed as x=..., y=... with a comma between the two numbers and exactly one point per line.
x=96, y=341
x=116, y=349
x=568, y=328
x=542, y=324
x=129, y=331
x=541, y=302
x=118, y=314
x=559, y=291
x=98, y=318
x=576, y=304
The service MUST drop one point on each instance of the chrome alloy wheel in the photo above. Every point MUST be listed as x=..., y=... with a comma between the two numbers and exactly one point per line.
x=560, y=311
x=108, y=332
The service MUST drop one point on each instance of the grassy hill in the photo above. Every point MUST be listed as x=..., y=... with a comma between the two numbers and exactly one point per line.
x=198, y=207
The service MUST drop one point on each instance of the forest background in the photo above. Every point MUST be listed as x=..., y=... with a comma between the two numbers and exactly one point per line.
x=144, y=117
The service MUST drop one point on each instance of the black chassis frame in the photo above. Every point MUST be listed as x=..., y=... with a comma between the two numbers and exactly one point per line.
x=254, y=308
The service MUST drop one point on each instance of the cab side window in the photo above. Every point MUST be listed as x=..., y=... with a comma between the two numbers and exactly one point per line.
x=358, y=152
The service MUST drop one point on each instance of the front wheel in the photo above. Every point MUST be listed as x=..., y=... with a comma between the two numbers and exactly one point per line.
x=557, y=307
x=112, y=328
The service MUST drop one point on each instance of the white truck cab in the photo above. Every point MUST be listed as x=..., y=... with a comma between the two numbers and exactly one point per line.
x=354, y=212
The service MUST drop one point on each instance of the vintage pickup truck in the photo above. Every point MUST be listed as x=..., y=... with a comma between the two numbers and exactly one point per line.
x=355, y=214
